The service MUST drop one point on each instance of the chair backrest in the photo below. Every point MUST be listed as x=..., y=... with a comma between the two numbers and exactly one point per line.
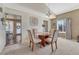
x=34, y=32
x=55, y=35
x=30, y=35
x=51, y=32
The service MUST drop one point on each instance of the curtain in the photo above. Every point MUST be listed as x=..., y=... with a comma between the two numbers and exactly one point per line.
x=68, y=28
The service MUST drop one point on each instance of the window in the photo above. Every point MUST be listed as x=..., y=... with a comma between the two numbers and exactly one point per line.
x=61, y=25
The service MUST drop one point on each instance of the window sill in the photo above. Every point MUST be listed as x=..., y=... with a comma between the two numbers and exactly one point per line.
x=62, y=32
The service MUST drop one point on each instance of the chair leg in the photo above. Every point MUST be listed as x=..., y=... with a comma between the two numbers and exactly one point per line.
x=52, y=46
x=32, y=46
x=56, y=44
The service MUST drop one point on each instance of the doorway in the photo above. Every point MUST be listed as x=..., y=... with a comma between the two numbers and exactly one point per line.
x=13, y=29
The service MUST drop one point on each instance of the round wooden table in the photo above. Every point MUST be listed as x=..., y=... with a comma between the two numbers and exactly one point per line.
x=43, y=39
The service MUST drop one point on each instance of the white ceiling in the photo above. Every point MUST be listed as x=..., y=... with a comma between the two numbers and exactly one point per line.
x=40, y=7
x=59, y=8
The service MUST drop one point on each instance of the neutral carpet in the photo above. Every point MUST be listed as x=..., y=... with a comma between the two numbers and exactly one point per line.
x=65, y=47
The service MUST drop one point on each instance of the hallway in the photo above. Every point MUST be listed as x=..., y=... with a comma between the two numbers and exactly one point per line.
x=65, y=47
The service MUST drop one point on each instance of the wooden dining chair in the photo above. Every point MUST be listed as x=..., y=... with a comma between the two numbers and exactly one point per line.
x=54, y=38
x=34, y=30
x=32, y=40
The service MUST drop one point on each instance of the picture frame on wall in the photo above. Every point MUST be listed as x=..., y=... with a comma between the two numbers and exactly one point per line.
x=33, y=21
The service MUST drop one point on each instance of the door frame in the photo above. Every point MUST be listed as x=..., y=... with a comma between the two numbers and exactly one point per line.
x=19, y=20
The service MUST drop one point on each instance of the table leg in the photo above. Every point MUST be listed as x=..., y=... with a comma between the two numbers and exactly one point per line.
x=42, y=43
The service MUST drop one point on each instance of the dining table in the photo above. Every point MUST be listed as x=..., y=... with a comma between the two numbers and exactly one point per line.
x=43, y=36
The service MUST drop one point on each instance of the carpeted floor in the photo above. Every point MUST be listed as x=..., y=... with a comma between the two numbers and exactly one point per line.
x=65, y=47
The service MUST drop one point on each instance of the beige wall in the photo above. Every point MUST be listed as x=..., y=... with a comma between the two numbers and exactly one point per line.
x=74, y=15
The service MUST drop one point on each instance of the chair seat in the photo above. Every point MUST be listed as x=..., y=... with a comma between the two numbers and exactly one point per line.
x=36, y=40
x=50, y=39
